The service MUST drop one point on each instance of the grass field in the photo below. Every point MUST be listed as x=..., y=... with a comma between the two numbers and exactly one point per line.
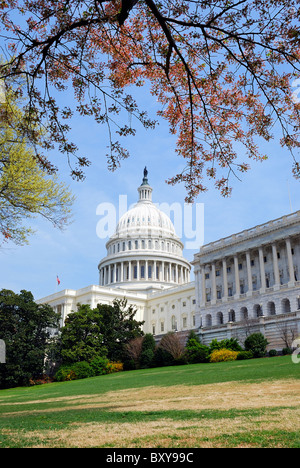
x=253, y=403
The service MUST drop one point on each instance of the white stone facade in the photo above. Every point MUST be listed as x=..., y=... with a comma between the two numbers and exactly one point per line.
x=250, y=278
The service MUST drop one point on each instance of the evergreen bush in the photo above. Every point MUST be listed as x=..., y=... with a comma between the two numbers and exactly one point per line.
x=256, y=343
x=242, y=355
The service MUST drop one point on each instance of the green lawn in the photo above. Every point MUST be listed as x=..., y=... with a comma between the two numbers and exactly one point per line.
x=253, y=403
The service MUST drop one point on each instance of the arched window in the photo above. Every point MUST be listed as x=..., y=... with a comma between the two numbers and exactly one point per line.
x=271, y=308
x=231, y=316
x=208, y=320
x=244, y=313
x=220, y=318
x=257, y=311
x=285, y=306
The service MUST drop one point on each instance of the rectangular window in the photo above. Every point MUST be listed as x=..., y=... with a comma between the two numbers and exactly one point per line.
x=135, y=272
x=142, y=271
x=149, y=271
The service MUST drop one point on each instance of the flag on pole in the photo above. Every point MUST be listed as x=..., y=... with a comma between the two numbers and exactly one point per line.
x=58, y=280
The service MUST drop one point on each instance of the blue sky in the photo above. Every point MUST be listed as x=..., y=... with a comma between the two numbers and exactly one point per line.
x=265, y=193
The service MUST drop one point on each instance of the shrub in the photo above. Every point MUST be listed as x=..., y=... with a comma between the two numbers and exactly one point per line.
x=229, y=343
x=146, y=359
x=133, y=353
x=65, y=373
x=129, y=364
x=162, y=358
x=272, y=352
x=82, y=370
x=148, y=342
x=242, y=355
x=114, y=367
x=99, y=365
x=286, y=351
x=220, y=355
x=256, y=343
x=196, y=352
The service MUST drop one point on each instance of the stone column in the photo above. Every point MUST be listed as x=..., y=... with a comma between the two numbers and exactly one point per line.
x=275, y=267
x=109, y=274
x=146, y=269
x=122, y=272
x=262, y=270
x=237, y=276
x=154, y=270
x=176, y=273
x=129, y=271
x=249, y=274
x=290, y=262
x=213, y=283
x=197, y=289
x=138, y=273
x=225, y=281
x=203, y=289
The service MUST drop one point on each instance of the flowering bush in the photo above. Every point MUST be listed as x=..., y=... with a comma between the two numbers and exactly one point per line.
x=220, y=355
x=114, y=367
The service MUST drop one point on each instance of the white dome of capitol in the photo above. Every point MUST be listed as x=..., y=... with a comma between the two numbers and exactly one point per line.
x=145, y=215
x=144, y=252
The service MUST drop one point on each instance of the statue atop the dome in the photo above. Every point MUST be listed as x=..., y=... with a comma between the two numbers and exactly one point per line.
x=145, y=179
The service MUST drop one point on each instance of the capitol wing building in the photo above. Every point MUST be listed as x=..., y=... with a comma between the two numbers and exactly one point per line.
x=245, y=283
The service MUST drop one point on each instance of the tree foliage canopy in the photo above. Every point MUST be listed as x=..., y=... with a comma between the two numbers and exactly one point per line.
x=24, y=327
x=221, y=71
x=100, y=332
x=26, y=190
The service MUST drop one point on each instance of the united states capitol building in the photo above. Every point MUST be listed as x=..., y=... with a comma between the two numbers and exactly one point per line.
x=244, y=283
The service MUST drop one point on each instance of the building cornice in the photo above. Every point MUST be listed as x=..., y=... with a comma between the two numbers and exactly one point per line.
x=248, y=235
